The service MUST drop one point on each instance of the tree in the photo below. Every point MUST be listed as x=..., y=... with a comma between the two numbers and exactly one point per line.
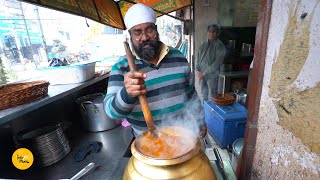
x=3, y=77
x=95, y=29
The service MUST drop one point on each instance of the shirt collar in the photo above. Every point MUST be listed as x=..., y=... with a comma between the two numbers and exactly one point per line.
x=164, y=50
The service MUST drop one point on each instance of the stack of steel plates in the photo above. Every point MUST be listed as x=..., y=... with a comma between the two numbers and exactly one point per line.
x=48, y=144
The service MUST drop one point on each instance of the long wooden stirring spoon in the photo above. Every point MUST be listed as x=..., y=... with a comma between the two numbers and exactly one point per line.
x=142, y=98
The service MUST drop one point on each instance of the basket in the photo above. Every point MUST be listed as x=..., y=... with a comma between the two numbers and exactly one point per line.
x=21, y=93
x=223, y=99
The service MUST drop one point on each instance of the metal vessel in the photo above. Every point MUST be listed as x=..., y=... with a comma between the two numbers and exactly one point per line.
x=47, y=143
x=94, y=118
x=194, y=164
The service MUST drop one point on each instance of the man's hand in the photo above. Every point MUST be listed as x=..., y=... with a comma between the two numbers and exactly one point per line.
x=203, y=131
x=200, y=75
x=134, y=83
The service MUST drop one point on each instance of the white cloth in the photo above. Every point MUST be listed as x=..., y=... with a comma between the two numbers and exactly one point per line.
x=138, y=14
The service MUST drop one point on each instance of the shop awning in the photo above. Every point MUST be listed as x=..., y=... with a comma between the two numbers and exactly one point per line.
x=108, y=12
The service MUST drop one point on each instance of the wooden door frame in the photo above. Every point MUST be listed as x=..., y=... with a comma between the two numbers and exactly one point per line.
x=255, y=88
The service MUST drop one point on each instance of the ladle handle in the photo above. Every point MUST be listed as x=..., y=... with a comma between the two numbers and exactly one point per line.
x=142, y=98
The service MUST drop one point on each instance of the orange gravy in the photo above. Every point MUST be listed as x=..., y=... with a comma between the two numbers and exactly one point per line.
x=165, y=146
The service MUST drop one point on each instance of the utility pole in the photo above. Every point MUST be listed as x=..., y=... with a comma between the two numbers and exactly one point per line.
x=17, y=41
x=12, y=7
x=44, y=44
x=27, y=30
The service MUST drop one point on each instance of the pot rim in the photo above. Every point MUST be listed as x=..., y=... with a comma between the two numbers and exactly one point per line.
x=163, y=162
x=237, y=146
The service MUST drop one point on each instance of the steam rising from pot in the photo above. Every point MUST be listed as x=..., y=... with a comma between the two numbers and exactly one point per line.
x=180, y=134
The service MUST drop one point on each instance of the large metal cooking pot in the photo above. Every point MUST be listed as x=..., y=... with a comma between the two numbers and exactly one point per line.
x=194, y=164
x=94, y=118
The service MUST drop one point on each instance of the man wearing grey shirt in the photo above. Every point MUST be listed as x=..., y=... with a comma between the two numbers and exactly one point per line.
x=210, y=56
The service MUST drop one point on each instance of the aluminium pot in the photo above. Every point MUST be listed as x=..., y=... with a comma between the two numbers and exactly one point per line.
x=193, y=164
x=236, y=150
x=93, y=116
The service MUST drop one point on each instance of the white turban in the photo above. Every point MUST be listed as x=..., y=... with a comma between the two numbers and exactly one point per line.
x=138, y=14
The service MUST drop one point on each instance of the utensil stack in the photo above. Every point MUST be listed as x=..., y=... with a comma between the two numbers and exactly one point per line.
x=48, y=144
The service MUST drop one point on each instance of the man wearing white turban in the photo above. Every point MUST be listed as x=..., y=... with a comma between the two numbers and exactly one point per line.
x=163, y=75
x=138, y=14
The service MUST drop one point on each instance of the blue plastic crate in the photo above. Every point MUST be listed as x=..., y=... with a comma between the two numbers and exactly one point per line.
x=225, y=123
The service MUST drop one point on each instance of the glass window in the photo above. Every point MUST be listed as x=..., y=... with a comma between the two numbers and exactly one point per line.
x=31, y=36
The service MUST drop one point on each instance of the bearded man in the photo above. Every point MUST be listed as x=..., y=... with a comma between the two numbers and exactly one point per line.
x=163, y=75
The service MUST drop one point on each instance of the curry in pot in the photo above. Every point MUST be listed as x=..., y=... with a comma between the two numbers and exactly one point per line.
x=170, y=143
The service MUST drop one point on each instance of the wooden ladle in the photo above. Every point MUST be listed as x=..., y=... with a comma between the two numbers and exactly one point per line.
x=142, y=98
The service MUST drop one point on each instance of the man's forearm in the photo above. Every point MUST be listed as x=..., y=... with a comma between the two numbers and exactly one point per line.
x=119, y=105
